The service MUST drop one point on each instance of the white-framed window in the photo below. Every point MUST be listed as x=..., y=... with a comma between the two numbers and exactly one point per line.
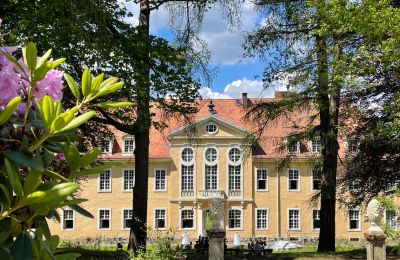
x=262, y=219
x=354, y=220
x=160, y=179
x=211, y=177
x=293, y=148
x=391, y=219
x=234, y=174
x=187, y=179
x=211, y=168
x=234, y=169
x=211, y=155
x=316, y=145
x=262, y=180
x=316, y=178
x=104, y=219
x=294, y=219
x=293, y=180
x=68, y=220
x=316, y=219
x=105, y=145
x=160, y=218
x=187, y=219
x=211, y=128
x=105, y=181
x=187, y=155
x=129, y=144
x=235, y=219
x=128, y=177
x=127, y=215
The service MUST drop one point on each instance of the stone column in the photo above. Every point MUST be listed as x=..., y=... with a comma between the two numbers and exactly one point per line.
x=376, y=248
x=216, y=244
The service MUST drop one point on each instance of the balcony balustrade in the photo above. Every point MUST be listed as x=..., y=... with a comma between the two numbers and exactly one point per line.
x=209, y=194
x=234, y=194
x=187, y=194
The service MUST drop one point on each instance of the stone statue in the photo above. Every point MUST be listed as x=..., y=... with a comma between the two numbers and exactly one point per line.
x=374, y=213
x=217, y=206
x=376, y=248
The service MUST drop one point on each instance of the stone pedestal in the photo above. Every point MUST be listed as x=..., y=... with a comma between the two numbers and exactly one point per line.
x=376, y=248
x=216, y=244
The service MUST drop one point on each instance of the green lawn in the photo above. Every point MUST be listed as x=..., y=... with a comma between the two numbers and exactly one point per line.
x=342, y=253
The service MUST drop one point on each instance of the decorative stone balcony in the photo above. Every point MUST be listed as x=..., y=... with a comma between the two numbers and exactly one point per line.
x=234, y=193
x=187, y=194
x=209, y=194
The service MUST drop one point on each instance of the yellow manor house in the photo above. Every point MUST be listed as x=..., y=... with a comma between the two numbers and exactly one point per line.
x=186, y=170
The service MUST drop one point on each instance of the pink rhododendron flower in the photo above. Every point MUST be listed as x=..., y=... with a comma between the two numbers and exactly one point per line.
x=9, y=85
x=3, y=60
x=51, y=85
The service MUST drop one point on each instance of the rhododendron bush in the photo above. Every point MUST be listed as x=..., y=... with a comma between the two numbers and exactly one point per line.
x=35, y=130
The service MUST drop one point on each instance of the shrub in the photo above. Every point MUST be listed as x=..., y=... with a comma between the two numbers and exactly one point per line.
x=35, y=130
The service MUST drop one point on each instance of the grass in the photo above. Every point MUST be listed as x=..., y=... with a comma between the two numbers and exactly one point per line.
x=343, y=252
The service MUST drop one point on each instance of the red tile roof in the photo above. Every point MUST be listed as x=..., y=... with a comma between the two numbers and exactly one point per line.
x=229, y=110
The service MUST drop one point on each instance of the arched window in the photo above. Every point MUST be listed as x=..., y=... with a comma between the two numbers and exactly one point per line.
x=187, y=172
x=234, y=172
x=211, y=168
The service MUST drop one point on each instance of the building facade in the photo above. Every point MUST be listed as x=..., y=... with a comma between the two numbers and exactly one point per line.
x=189, y=163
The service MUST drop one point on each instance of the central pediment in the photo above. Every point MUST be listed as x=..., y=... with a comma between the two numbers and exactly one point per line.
x=210, y=127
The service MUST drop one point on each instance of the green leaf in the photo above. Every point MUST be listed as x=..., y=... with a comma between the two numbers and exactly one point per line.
x=108, y=82
x=55, y=175
x=57, y=63
x=62, y=120
x=41, y=224
x=22, y=248
x=5, y=197
x=5, y=254
x=68, y=256
x=34, y=197
x=43, y=59
x=14, y=61
x=53, y=242
x=90, y=157
x=14, y=177
x=86, y=83
x=114, y=104
x=41, y=72
x=98, y=169
x=111, y=89
x=72, y=202
x=96, y=83
x=5, y=230
x=29, y=54
x=73, y=157
x=59, y=192
x=32, y=181
x=82, y=211
x=78, y=121
x=72, y=86
x=48, y=110
x=9, y=110
x=24, y=159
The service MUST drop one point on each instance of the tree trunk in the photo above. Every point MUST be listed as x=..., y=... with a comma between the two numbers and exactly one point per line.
x=328, y=99
x=138, y=233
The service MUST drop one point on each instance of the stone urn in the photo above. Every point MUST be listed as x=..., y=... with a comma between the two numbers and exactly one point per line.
x=217, y=207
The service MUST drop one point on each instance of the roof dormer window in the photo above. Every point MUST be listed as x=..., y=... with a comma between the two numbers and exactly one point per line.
x=105, y=145
x=211, y=128
x=129, y=144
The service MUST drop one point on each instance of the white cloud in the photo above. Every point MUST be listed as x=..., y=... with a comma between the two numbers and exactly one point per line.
x=224, y=44
x=253, y=88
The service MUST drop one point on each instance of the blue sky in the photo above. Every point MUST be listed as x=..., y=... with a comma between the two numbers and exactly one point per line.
x=234, y=74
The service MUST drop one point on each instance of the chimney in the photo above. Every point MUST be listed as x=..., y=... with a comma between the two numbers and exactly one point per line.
x=244, y=100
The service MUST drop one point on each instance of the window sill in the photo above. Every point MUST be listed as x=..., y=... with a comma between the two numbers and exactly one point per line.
x=104, y=191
